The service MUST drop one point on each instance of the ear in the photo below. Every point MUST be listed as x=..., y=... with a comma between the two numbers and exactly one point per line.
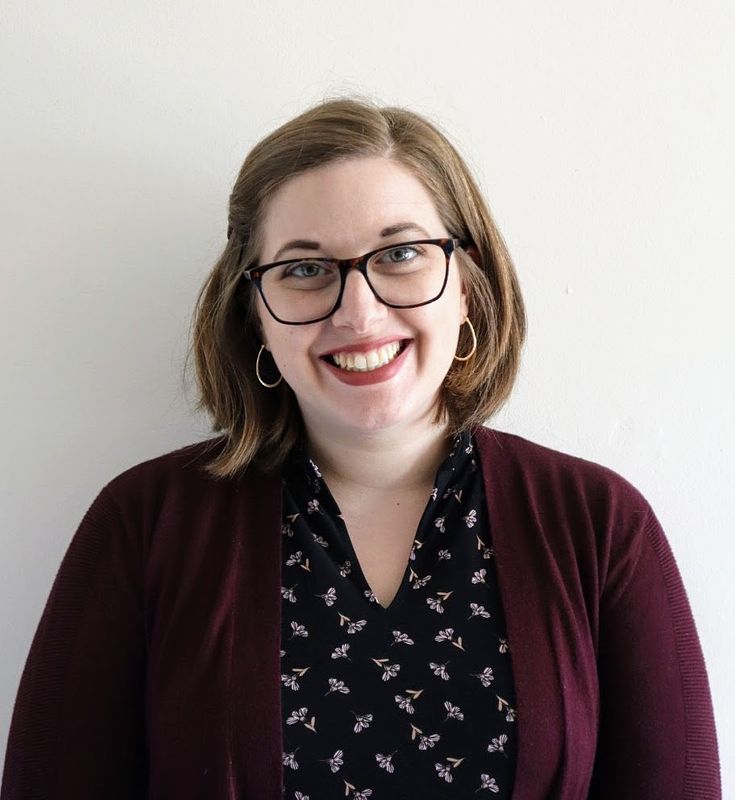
x=473, y=253
x=464, y=304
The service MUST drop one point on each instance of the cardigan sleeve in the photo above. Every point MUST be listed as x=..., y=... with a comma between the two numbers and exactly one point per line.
x=78, y=727
x=657, y=732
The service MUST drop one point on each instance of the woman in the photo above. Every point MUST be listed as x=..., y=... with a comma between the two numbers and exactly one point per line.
x=357, y=590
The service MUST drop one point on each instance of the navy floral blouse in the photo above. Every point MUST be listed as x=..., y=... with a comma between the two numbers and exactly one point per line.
x=415, y=699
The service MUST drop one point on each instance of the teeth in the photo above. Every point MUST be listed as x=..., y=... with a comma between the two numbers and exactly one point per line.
x=365, y=362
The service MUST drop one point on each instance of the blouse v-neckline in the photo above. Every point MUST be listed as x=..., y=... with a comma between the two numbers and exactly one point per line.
x=440, y=645
x=304, y=475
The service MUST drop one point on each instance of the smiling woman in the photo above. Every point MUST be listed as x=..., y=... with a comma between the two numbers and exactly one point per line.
x=345, y=206
x=347, y=178
x=357, y=590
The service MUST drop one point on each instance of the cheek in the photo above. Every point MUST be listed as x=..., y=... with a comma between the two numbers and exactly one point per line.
x=290, y=348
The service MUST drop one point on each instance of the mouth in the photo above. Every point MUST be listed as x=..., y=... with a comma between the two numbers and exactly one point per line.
x=368, y=361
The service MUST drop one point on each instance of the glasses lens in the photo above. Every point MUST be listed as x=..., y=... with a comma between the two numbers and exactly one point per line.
x=407, y=275
x=402, y=275
x=301, y=290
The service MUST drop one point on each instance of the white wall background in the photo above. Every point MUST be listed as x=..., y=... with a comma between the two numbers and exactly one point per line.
x=602, y=135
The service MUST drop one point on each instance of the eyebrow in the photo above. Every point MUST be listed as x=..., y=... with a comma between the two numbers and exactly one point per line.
x=391, y=230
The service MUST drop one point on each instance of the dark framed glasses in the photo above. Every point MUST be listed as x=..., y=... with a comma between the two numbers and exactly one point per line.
x=300, y=291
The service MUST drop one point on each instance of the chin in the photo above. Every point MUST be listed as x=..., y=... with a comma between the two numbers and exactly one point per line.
x=371, y=421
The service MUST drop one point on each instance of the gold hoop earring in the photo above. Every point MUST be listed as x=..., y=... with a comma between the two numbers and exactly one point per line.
x=257, y=371
x=474, y=343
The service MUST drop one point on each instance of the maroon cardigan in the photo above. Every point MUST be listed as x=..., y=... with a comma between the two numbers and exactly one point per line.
x=154, y=672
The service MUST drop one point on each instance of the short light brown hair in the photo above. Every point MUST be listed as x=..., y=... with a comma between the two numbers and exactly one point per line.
x=260, y=425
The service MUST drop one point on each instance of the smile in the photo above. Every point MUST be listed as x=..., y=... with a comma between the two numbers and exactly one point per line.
x=368, y=361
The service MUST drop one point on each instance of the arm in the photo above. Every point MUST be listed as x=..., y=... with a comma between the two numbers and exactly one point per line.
x=657, y=735
x=78, y=728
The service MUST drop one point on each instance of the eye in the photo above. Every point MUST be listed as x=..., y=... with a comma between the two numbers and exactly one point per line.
x=305, y=269
x=401, y=254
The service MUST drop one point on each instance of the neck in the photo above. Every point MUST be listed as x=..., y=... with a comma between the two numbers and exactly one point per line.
x=383, y=461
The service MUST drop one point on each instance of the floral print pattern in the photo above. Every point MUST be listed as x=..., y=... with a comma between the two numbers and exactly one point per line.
x=415, y=699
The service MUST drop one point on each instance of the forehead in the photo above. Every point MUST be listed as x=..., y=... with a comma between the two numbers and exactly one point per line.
x=346, y=204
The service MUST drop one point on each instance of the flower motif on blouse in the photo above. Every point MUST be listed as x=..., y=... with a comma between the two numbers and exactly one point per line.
x=288, y=594
x=486, y=677
x=487, y=552
x=336, y=761
x=298, y=630
x=300, y=796
x=362, y=721
x=329, y=597
x=385, y=762
x=486, y=782
x=453, y=712
x=297, y=716
x=478, y=611
x=417, y=582
x=345, y=569
x=479, y=576
x=296, y=559
x=440, y=670
x=337, y=686
x=404, y=703
x=313, y=506
x=401, y=638
x=300, y=716
x=371, y=596
x=290, y=681
x=447, y=635
x=341, y=651
x=320, y=540
x=503, y=646
x=445, y=770
x=354, y=627
x=289, y=760
x=471, y=518
x=389, y=670
x=444, y=555
x=497, y=745
x=439, y=523
x=435, y=604
x=427, y=742
x=510, y=712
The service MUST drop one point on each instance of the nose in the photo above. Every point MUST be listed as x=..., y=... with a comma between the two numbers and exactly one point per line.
x=359, y=308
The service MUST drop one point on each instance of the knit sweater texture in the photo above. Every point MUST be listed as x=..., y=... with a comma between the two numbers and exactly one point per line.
x=155, y=669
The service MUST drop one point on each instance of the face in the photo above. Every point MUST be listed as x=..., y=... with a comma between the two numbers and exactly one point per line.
x=344, y=209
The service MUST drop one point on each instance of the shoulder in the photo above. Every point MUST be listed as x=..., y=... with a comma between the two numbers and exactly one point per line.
x=554, y=481
x=179, y=477
x=583, y=512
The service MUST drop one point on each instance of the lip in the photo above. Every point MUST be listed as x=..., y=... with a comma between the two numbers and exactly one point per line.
x=384, y=373
x=364, y=347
